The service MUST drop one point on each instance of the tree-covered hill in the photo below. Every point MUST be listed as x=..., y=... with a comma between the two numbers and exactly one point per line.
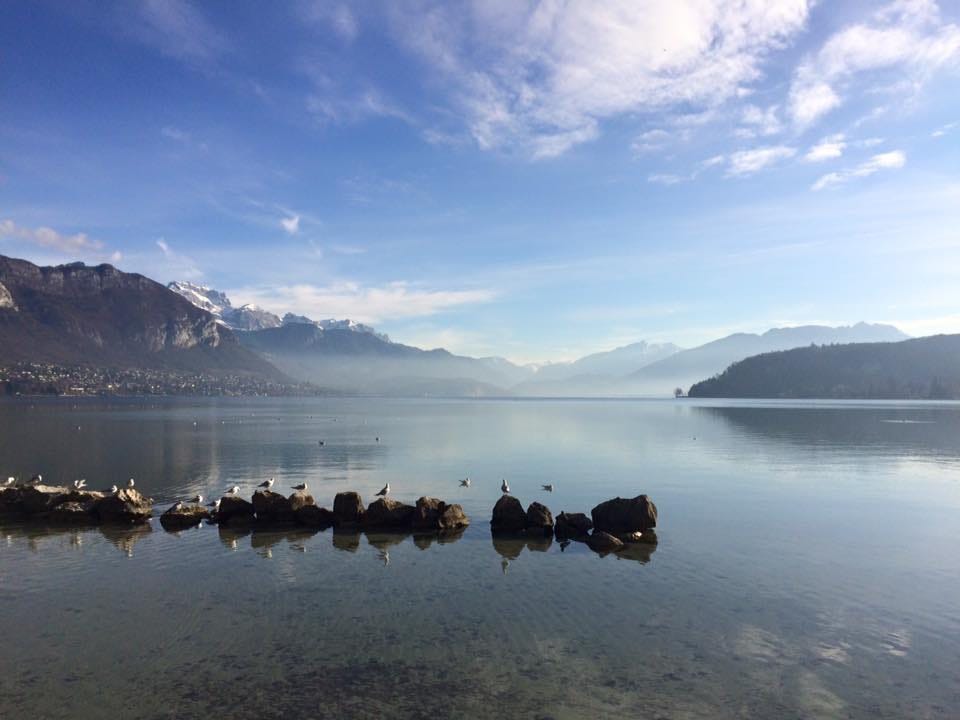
x=924, y=368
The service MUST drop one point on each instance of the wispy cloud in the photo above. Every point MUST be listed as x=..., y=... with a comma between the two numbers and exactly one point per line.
x=176, y=266
x=829, y=148
x=370, y=304
x=77, y=245
x=291, y=224
x=748, y=162
x=906, y=37
x=179, y=30
x=336, y=16
x=885, y=161
x=943, y=130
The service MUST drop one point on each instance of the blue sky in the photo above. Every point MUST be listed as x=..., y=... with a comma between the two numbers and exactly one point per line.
x=537, y=180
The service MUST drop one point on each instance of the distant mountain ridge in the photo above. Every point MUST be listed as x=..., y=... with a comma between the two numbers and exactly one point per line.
x=77, y=314
x=245, y=317
x=923, y=368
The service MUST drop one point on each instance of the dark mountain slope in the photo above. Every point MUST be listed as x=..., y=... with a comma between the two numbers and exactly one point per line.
x=99, y=316
x=924, y=368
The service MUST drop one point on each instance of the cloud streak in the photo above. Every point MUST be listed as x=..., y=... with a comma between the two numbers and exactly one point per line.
x=893, y=160
x=74, y=246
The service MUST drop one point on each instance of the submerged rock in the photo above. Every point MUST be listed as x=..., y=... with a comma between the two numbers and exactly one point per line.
x=645, y=538
x=314, y=517
x=388, y=513
x=235, y=510
x=539, y=520
x=572, y=525
x=73, y=513
x=436, y=515
x=348, y=508
x=183, y=516
x=603, y=542
x=126, y=505
x=272, y=508
x=508, y=516
x=623, y=515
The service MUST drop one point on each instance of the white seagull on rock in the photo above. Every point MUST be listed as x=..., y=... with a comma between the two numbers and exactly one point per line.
x=114, y=489
x=385, y=491
x=266, y=484
x=235, y=490
x=130, y=483
x=197, y=499
x=299, y=488
x=504, y=488
x=79, y=484
x=215, y=504
x=10, y=481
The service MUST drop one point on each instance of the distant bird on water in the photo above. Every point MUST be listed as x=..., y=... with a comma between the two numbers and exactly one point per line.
x=504, y=488
x=377, y=438
x=196, y=499
x=465, y=482
x=548, y=488
x=130, y=483
x=299, y=488
x=319, y=442
x=266, y=484
x=385, y=491
x=234, y=490
x=79, y=484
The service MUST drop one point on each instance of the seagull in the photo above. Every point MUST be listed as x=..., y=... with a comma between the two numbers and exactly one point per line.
x=320, y=442
x=130, y=483
x=10, y=481
x=79, y=484
x=377, y=438
x=299, y=488
x=384, y=491
x=548, y=488
x=234, y=490
x=215, y=504
x=504, y=488
x=266, y=484
x=37, y=479
x=178, y=506
x=465, y=482
x=114, y=489
x=197, y=499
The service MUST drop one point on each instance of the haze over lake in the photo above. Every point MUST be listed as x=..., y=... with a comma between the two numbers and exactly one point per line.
x=807, y=563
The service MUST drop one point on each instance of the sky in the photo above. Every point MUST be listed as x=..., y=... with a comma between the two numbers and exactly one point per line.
x=536, y=180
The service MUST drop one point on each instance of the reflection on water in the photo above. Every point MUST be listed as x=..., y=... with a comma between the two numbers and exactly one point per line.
x=807, y=564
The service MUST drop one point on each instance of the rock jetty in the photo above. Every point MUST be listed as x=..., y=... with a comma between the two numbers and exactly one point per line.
x=55, y=504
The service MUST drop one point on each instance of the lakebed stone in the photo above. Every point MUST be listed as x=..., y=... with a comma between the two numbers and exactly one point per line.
x=235, y=510
x=388, y=513
x=183, y=516
x=572, y=526
x=272, y=508
x=508, y=516
x=127, y=505
x=603, y=542
x=625, y=515
x=314, y=517
x=432, y=514
x=348, y=509
x=539, y=520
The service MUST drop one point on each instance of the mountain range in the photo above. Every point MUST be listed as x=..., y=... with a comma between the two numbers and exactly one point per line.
x=77, y=314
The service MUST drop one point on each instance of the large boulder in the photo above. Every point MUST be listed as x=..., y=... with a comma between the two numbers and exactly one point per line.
x=73, y=513
x=436, y=515
x=314, y=517
x=388, y=513
x=508, y=516
x=183, y=516
x=10, y=500
x=603, y=543
x=348, y=509
x=572, y=525
x=301, y=499
x=271, y=507
x=623, y=515
x=126, y=505
x=234, y=510
x=539, y=520
x=39, y=499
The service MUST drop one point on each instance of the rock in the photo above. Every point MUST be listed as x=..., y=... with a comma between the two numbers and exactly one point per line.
x=622, y=515
x=234, y=510
x=271, y=507
x=436, y=515
x=314, y=517
x=602, y=542
x=348, y=508
x=647, y=538
x=388, y=513
x=508, y=516
x=73, y=513
x=539, y=520
x=126, y=505
x=10, y=500
x=184, y=516
x=37, y=499
x=572, y=525
x=301, y=499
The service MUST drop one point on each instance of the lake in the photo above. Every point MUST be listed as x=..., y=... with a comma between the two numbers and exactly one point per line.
x=808, y=563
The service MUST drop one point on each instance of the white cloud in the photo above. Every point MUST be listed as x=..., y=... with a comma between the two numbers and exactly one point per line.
x=175, y=265
x=76, y=245
x=747, y=162
x=541, y=77
x=177, y=29
x=667, y=178
x=829, y=148
x=352, y=300
x=761, y=121
x=943, y=130
x=907, y=37
x=885, y=161
x=291, y=224
x=336, y=16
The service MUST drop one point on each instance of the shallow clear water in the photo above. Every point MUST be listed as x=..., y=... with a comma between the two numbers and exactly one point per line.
x=807, y=564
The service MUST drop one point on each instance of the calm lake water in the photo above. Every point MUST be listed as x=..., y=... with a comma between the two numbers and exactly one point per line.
x=808, y=565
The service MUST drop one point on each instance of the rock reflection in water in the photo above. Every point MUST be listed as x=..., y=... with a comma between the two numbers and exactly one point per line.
x=122, y=537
